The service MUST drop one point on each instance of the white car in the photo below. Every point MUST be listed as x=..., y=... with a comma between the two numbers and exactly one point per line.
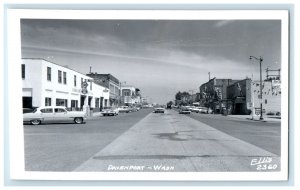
x=124, y=109
x=53, y=114
x=203, y=110
x=109, y=111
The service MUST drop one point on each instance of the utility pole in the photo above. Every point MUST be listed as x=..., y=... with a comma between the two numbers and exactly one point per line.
x=260, y=59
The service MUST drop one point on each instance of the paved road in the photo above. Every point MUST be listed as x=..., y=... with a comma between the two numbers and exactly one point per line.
x=262, y=134
x=173, y=142
x=144, y=141
x=62, y=147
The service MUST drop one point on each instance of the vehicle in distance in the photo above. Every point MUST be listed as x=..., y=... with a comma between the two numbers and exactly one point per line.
x=159, y=110
x=184, y=110
x=110, y=111
x=203, y=110
x=124, y=109
x=53, y=114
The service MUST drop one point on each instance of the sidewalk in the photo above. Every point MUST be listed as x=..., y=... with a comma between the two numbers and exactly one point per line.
x=256, y=118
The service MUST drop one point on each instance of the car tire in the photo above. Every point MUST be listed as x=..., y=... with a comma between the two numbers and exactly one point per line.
x=35, y=122
x=78, y=120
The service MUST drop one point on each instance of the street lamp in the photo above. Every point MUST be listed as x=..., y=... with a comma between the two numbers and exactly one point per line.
x=260, y=59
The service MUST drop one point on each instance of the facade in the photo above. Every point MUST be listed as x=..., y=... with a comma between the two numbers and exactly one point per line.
x=110, y=82
x=245, y=96
x=213, y=94
x=48, y=84
x=131, y=95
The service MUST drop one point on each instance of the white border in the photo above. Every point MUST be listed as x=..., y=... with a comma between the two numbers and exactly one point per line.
x=16, y=138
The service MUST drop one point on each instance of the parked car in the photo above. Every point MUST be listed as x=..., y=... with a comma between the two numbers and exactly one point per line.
x=124, y=109
x=109, y=111
x=53, y=114
x=184, y=110
x=203, y=110
x=159, y=110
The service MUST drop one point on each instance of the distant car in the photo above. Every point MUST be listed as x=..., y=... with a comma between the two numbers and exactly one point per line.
x=54, y=114
x=124, y=109
x=203, y=110
x=159, y=110
x=184, y=110
x=109, y=111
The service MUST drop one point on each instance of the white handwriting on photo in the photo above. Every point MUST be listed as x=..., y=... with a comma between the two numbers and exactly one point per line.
x=263, y=164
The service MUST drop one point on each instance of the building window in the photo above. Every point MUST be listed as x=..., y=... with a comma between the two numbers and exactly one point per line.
x=91, y=87
x=23, y=71
x=74, y=80
x=65, y=78
x=61, y=102
x=97, y=101
x=59, y=76
x=74, y=104
x=81, y=82
x=47, y=101
x=49, y=73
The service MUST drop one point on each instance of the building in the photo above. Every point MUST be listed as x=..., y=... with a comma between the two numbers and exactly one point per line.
x=131, y=95
x=48, y=84
x=213, y=94
x=110, y=82
x=245, y=97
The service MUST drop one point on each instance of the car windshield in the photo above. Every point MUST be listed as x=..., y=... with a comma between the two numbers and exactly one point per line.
x=35, y=110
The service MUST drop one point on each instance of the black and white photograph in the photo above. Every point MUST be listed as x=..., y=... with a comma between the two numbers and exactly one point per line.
x=195, y=95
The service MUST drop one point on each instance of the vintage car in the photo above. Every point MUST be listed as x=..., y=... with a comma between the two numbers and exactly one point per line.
x=184, y=110
x=53, y=114
x=159, y=110
x=203, y=110
x=124, y=109
x=109, y=111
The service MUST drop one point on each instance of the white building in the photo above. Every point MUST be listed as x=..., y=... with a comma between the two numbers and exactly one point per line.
x=130, y=95
x=48, y=84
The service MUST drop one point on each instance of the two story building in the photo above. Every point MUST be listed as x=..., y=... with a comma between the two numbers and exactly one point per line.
x=49, y=84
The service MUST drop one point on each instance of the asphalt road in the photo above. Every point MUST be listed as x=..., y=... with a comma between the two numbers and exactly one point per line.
x=62, y=147
x=145, y=141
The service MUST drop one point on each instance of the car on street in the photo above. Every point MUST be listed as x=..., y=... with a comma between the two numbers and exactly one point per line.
x=159, y=110
x=203, y=110
x=53, y=114
x=110, y=111
x=124, y=109
x=184, y=110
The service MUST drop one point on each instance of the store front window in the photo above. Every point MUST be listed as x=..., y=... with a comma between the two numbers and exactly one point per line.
x=61, y=102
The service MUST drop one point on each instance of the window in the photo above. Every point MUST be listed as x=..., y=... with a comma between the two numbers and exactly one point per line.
x=23, y=71
x=91, y=87
x=65, y=78
x=49, y=73
x=81, y=82
x=97, y=101
x=59, y=110
x=74, y=80
x=61, y=102
x=47, y=110
x=59, y=76
x=74, y=103
x=47, y=101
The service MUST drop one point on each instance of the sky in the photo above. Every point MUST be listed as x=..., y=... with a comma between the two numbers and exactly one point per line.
x=160, y=57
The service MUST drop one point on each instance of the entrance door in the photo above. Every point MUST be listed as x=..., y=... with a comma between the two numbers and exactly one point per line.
x=27, y=102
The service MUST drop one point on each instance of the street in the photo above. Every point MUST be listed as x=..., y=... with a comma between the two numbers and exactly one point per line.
x=154, y=142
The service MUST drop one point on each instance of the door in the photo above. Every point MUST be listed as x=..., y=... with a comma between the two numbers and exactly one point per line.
x=47, y=115
x=61, y=115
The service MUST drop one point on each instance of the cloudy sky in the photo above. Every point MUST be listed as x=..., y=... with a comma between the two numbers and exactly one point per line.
x=159, y=57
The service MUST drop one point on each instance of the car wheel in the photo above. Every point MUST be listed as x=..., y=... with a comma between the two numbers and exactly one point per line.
x=35, y=122
x=78, y=120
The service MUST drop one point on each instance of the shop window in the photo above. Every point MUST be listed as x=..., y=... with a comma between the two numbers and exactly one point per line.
x=61, y=102
x=47, y=101
x=74, y=103
x=59, y=76
x=49, y=73
x=97, y=101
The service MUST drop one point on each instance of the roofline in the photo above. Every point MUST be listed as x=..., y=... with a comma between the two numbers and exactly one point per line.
x=56, y=64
